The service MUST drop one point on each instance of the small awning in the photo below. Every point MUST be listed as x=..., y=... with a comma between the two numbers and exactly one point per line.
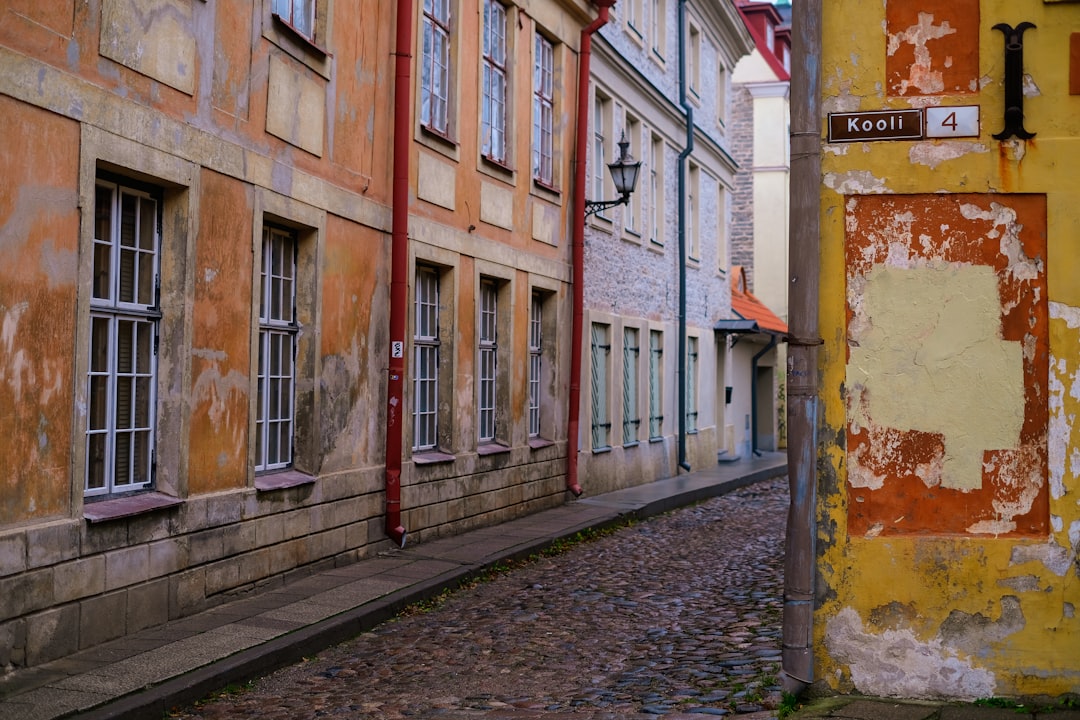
x=736, y=326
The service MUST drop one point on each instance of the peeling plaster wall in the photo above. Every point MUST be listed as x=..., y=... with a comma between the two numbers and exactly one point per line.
x=949, y=479
x=233, y=122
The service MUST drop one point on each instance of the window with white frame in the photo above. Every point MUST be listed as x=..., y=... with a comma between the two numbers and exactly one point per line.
x=278, y=331
x=124, y=318
x=487, y=360
x=721, y=228
x=634, y=9
x=631, y=354
x=536, y=355
x=693, y=234
x=723, y=87
x=600, y=357
x=601, y=110
x=656, y=190
x=426, y=360
x=633, y=210
x=693, y=61
x=543, y=149
x=435, y=67
x=493, y=109
x=656, y=384
x=658, y=29
x=297, y=14
x=691, y=384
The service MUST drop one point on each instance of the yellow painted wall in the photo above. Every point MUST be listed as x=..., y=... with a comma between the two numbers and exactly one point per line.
x=931, y=613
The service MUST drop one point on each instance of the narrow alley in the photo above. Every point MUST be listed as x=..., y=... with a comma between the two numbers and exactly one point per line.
x=671, y=616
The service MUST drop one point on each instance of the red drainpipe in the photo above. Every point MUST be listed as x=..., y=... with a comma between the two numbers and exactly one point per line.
x=399, y=271
x=577, y=246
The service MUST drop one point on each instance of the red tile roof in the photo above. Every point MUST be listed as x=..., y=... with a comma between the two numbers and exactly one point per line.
x=748, y=307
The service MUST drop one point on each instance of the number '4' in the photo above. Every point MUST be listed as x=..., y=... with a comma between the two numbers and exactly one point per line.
x=949, y=121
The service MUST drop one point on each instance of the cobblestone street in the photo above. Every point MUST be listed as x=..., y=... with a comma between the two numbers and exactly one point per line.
x=676, y=615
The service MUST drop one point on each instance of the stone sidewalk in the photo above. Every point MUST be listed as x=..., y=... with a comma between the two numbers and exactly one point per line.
x=145, y=674
x=861, y=708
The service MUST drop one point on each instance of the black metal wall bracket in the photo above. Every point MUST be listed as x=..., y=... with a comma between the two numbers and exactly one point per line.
x=1014, y=81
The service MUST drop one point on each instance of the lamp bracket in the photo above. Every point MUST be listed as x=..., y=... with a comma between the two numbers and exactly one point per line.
x=594, y=206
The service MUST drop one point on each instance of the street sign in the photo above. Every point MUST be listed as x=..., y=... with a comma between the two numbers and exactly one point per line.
x=876, y=125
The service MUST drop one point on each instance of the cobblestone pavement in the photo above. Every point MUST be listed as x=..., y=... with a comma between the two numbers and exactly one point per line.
x=676, y=616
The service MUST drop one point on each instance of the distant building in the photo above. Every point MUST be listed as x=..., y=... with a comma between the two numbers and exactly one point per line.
x=653, y=388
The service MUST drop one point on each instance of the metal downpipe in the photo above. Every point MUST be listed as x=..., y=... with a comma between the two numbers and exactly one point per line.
x=680, y=372
x=399, y=271
x=803, y=340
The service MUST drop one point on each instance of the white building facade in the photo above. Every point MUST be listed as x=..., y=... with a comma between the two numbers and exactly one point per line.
x=654, y=371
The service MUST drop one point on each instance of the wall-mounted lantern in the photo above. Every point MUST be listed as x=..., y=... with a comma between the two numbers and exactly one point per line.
x=624, y=173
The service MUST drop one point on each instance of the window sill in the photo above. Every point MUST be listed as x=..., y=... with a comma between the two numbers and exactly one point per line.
x=601, y=450
x=432, y=457
x=631, y=444
x=301, y=37
x=282, y=480
x=631, y=236
x=492, y=448
x=656, y=439
x=129, y=506
x=538, y=443
x=550, y=193
x=499, y=169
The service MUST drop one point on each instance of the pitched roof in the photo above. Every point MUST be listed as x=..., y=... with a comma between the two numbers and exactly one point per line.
x=748, y=307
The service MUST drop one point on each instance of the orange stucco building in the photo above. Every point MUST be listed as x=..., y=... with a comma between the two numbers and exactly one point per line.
x=196, y=222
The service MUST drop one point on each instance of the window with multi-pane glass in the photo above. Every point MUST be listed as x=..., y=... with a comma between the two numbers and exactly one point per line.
x=599, y=158
x=487, y=358
x=124, y=317
x=493, y=101
x=426, y=360
x=601, y=349
x=435, y=67
x=656, y=367
x=278, y=329
x=535, y=358
x=691, y=384
x=631, y=352
x=298, y=14
x=543, y=111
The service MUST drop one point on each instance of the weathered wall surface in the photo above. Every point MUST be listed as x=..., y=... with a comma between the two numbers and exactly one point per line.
x=229, y=121
x=38, y=238
x=949, y=485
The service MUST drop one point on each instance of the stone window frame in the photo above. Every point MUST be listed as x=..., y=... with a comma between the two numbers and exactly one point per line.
x=603, y=131
x=694, y=40
x=501, y=279
x=445, y=264
x=600, y=385
x=631, y=384
x=693, y=214
x=546, y=291
x=487, y=361
x=178, y=181
x=656, y=384
x=544, y=92
x=657, y=208
x=693, y=368
x=308, y=224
